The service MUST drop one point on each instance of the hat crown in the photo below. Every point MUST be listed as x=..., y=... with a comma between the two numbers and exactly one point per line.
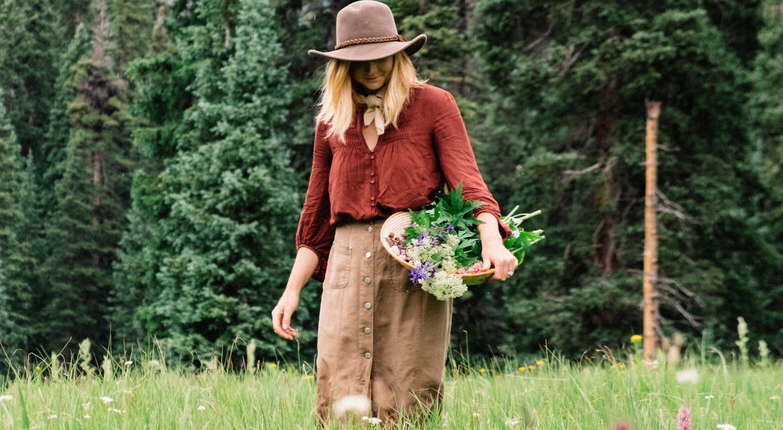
x=365, y=19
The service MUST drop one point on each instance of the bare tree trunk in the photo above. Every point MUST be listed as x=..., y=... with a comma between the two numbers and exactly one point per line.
x=651, y=235
x=605, y=243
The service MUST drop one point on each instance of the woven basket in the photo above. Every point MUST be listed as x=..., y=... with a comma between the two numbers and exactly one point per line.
x=397, y=224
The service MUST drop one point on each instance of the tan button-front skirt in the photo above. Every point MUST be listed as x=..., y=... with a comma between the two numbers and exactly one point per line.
x=379, y=336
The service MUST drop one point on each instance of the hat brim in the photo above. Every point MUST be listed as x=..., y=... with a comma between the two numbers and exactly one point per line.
x=373, y=51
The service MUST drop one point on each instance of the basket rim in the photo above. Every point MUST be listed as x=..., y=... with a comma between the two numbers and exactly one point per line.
x=385, y=242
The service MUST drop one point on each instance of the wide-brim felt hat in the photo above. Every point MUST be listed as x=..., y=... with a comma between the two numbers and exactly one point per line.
x=366, y=31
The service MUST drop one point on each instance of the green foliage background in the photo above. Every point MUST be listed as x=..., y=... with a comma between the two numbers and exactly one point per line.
x=168, y=146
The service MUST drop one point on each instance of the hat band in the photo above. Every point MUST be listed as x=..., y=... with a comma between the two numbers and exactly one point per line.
x=369, y=40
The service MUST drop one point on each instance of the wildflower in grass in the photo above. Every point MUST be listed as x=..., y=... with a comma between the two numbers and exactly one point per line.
x=128, y=363
x=531, y=367
x=201, y=407
x=726, y=427
x=307, y=377
x=107, y=399
x=6, y=398
x=622, y=426
x=482, y=370
x=684, y=419
x=771, y=398
x=636, y=338
x=372, y=420
x=687, y=376
x=540, y=362
x=709, y=397
x=476, y=415
x=522, y=368
x=512, y=421
x=116, y=411
x=359, y=405
x=87, y=416
x=53, y=416
x=272, y=365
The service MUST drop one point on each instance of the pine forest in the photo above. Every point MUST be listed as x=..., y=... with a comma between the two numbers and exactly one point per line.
x=155, y=154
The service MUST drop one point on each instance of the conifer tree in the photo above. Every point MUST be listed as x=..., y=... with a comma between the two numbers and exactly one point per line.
x=14, y=252
x=59, y=122
x=28, y=59
x=91, y=195
x=161, y=82
x=767, y=100
x=231, y=203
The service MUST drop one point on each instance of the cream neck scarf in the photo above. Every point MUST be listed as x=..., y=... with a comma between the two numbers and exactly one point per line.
x=374, y=111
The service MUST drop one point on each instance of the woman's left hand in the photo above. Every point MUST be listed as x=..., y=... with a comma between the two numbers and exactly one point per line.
x=492, y=250
x=495, y=254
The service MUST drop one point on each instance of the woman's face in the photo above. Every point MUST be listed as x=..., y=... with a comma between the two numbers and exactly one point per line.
x=372, y=75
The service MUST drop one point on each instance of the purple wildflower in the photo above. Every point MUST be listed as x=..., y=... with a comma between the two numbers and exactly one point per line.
x=419, y=274
x=449, y=227
x=684, y=419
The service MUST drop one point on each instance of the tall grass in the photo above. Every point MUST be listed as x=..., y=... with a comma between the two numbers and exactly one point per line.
x=550, y=394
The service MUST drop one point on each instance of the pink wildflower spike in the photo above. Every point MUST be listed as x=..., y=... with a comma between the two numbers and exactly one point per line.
x=461, y=271
x=684, y=419
x=622, y=426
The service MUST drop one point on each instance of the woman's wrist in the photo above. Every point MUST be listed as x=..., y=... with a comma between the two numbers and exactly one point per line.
x=488, y=231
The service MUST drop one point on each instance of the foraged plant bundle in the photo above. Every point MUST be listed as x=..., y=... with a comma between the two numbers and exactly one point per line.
x=442, y=243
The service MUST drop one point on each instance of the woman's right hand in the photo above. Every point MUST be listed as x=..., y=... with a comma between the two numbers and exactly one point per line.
x=281, y=315
x=304, y=266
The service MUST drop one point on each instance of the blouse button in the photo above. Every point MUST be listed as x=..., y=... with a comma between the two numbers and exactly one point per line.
x=369, y=229
x=367, y=355
x=372, y=157
x=372, y=198
x=368, y=254
x=367, y=281
x=372, y=181
x=372, y=173
x=367, y=305
x=367, y=330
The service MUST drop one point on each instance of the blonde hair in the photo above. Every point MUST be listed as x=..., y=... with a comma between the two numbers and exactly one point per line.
x=337, y=93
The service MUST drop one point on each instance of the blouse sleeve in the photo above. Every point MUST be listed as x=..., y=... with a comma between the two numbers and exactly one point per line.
x=315, y=231
x=458, y=161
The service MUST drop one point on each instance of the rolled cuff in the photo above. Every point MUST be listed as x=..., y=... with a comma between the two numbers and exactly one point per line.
x=505, y=232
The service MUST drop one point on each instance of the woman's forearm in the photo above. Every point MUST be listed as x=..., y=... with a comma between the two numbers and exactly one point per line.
x=489, y=231
x=304, y=266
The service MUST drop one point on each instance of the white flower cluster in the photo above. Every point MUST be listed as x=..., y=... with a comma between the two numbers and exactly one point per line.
x=443, y=285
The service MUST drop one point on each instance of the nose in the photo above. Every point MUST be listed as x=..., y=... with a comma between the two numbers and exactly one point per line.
x=370, y=67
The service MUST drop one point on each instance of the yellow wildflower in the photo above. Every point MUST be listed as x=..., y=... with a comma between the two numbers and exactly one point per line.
x=482, y=370
x=272, y=365
x=540, y=362
x=522, y=368
x=636, y=338
x=531, y=367
x=307, y=377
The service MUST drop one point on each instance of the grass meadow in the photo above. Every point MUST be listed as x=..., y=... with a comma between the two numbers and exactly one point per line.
x=544, y=394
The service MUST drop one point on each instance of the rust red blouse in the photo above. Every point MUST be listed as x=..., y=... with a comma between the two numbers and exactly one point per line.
x=407, y=167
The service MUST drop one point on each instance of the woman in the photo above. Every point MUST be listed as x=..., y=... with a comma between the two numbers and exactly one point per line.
x=385, y=141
